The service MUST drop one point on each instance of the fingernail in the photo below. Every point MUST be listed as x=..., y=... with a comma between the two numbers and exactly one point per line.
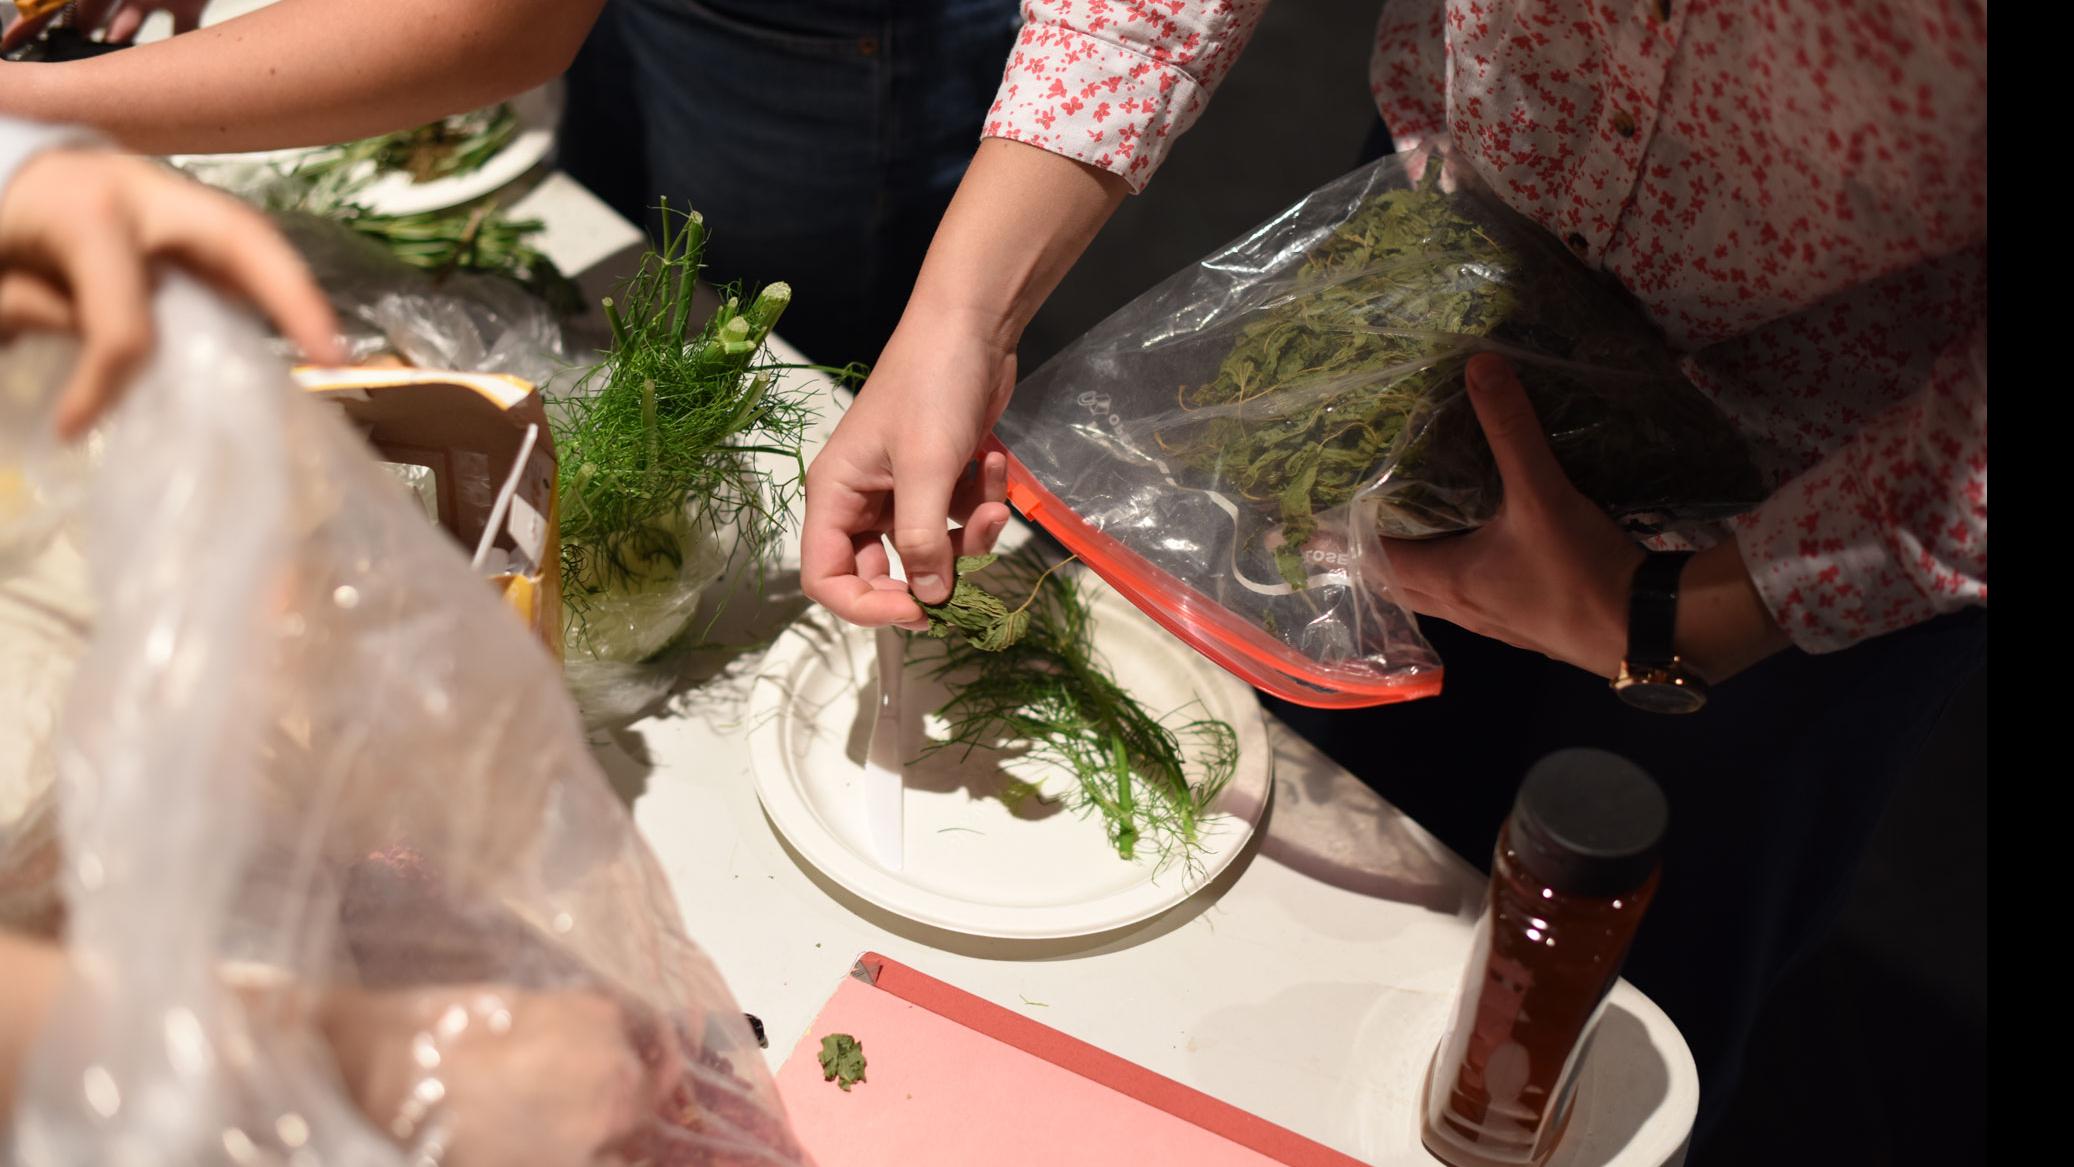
x=995, y=528
x=930, y=584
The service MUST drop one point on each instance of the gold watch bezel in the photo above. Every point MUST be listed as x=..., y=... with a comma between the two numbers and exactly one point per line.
x=1661, y=681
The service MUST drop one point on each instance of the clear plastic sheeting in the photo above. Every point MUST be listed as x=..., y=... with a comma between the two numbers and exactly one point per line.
x=1232, y=449
x=469, y=322
x=339, y=880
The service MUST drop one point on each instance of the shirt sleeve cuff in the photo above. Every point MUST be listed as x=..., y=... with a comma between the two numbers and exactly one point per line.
x=1853, y=548
x=1095, y=101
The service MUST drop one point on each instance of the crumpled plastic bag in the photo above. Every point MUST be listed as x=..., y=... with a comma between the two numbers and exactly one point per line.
x=1231, y=448
x=472, y=322
x=339, y=880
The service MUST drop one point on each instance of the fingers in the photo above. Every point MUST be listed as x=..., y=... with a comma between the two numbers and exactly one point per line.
x=983, y=482
x=21, y=32
x=921, y=533
x=28, y=303
x=104, y=268
x=978, y=534
x=238, y=250
x=841, y=565
x=875, y=567
x=1426, y=575
x=130, y=18
x=92, y=14
x=873, y=564
x=1526, y=464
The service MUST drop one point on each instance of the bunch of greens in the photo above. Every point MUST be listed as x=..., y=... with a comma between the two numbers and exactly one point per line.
x=447, y=148
x=1352, y=378
x=656, y=445
x=467, y=238
x=450, y=146
x=1027, y=677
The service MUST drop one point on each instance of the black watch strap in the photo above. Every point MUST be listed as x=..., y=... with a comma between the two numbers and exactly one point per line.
x=1653, y=610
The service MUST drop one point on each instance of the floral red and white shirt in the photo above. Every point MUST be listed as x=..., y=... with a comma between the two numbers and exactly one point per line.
x=1794, y=189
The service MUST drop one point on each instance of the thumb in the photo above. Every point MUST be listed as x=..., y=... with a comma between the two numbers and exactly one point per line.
x=1526, y=463
x=921, y=527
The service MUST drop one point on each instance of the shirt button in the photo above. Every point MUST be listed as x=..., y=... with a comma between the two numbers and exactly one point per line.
x=1576, y=242
x=1623, y=124
x=1663, y=9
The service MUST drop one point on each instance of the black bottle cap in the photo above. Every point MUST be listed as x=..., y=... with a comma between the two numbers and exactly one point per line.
x=1589, y=823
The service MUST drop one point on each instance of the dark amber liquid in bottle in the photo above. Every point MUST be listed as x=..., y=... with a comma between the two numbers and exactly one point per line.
x=1542, y=963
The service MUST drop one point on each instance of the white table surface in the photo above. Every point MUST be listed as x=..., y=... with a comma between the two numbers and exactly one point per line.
x=1309, y=984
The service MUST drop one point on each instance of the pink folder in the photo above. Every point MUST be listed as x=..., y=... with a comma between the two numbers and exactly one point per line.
x=955, y=1081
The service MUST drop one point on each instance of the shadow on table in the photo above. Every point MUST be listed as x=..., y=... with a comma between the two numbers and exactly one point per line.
x=707, y=676
x=1334, y=829
x=981, y=768
x=1069, y=948
x=1376, y=1058
x=1616, y=1098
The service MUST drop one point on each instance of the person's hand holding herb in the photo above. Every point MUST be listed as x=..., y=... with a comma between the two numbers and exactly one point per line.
x=1551, y=572
x=894, y=464
x=893, y=467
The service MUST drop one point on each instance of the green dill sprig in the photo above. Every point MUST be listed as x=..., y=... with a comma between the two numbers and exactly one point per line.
x=1045, y=692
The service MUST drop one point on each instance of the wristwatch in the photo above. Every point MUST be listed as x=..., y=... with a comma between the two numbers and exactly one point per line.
x=1652, y=676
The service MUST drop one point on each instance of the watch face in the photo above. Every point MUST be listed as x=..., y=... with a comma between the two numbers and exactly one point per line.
x=1662, y=697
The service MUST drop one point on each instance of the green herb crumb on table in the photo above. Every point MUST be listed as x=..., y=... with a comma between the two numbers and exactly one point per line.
x=842, y=1060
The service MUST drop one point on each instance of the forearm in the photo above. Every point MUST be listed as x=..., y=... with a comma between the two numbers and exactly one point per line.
x=1019, y=221
x=306, y=72
x=32, y=971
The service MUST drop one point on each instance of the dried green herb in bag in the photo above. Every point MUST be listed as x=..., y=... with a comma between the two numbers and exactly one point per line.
x=1352, y=381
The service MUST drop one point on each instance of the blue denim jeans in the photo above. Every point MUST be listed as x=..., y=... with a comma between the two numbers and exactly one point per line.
x=821, y=139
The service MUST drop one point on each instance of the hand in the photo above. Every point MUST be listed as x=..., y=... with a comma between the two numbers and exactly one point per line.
x=521, y=1077
x=900, y=462
x=79, y=233
x=122, y=19
x=1550, y=572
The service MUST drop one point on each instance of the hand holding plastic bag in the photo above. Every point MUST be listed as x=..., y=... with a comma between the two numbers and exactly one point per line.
x=1232, y=448
x=340, y=880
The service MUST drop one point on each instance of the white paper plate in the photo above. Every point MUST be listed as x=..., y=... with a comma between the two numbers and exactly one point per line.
x=972, y=865
x=394, y=193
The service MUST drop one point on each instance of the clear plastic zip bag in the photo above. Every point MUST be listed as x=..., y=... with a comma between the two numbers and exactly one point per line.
x=338, y=879
x=1233, y=448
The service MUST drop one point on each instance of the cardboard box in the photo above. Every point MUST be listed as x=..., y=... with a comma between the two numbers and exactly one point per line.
x=467, y=430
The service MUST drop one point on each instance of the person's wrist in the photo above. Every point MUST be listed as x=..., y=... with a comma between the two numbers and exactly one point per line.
x=1724, y=625
x=1609, y=611
x=939, y=312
